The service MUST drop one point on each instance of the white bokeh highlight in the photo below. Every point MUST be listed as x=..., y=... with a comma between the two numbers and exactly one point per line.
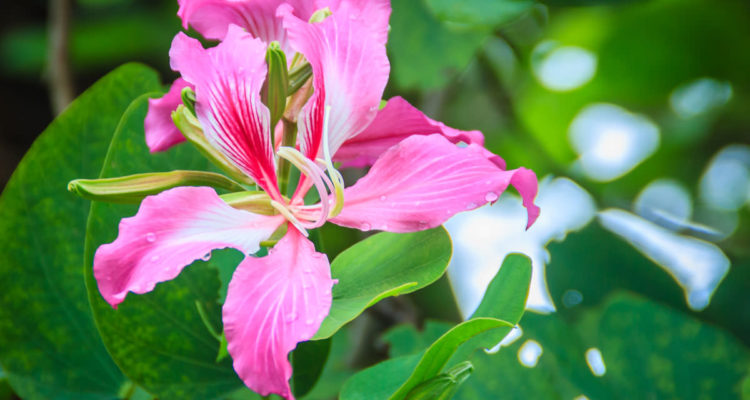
x=699, y=97
x=725, y=185
x=484, y=237
x=595, y=361
x=563, y=68
x=610, y=141
x=697, y=266
x=665, y=202
x=529, y=353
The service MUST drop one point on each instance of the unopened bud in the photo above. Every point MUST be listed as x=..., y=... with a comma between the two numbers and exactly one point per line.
x=274, y=89
x=134, y=188
x=320, y=15
x=188, y=98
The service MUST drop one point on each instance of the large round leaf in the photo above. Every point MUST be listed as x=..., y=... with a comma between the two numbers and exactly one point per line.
x=159, y=339
x=50, y=346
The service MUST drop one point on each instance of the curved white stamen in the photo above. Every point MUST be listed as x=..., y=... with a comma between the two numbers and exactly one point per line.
x=289, y=216
x=338, y=180
x=318, y=177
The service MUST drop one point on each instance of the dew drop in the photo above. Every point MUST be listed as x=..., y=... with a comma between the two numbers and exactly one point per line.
x=291, y=317
x=417, y=203
x=366, y=227
x=488, y=182
x=490, y=196
x=382, y=198
x=471, y=206
x=151, y=237
x=327, y=292
x=154, y=258
x=309, y=321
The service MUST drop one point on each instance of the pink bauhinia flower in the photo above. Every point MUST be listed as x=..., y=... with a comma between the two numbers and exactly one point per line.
x=418, y=178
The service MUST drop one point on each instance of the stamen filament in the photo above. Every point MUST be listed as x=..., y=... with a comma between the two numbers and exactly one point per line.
x=313, y=172
x=338, y=180
x=289, y=216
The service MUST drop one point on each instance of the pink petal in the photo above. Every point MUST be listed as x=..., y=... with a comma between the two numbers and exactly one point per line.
x=394, y=123
x=170, y=231
x=227, y=80
x=212, y=17
x=161, y=132
x=423, y=181
x=272, y=304
x=350, y=70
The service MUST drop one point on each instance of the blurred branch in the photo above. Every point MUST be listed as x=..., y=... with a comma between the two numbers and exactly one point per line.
x=60, y=79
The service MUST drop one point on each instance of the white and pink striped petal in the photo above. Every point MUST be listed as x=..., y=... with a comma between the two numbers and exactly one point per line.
x=424, y=180
x=394, y=123
x=227, y=80
x=273, y=303
x=350, y=71
x=212, y=18
x=170, y=231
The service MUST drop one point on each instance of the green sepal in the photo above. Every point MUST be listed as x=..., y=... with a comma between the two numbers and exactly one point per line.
x=191, y=129
x=298, y=76
x=188, y=98
x=442, y=386
x=274, y=91
x=132, y=189
x=253, y=201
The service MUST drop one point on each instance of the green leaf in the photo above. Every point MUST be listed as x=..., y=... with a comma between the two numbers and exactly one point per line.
x=159, y=339
x=308, y=360
x=383, y=265
x=50, y=346
x=485, y=14
x=505, y=298
x=425, y=52
x=437, y=355
x=649, y=351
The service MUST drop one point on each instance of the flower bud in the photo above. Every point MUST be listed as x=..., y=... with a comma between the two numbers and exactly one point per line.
x=188, y=98
x=133, y=188
x=274, y=91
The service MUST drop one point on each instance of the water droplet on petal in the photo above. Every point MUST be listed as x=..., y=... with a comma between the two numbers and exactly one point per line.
x=471, y=206
x=488, y=182
x=151, y=237
x=291, y=317
x=490, y=196
x=154, y=258
x=382, y=198
x=365, y=227
x=327, y=292
x=417, y=203
x=309, y=321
